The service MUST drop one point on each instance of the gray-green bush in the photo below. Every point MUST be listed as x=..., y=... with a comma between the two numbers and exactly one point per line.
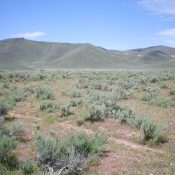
x=152, y=131
x=64, y=109
x=18, y=131
x=27, y=167
x=74, y=151
x=161, y=101
x=47, y=106
x=101, y=106
x=42, y=93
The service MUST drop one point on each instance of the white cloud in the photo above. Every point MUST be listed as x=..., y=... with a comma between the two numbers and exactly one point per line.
x=29, y=34
x=165, y=9
x=159, y=7
x=171, y=42
x=168, y=33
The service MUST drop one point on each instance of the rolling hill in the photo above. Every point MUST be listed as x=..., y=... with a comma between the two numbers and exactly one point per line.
x=19, y=53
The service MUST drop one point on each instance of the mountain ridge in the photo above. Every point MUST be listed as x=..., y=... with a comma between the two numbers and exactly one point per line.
x=20, y=52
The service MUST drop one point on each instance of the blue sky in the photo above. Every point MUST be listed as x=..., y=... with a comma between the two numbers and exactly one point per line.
x=113, y=24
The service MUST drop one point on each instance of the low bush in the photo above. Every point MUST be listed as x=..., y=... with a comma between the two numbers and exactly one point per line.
x=18, y=131
x=74, y=93
x=152, y=132
x=43, y=93
x=136, y=120
x=161, y=102
x=125, y=94
x=70, y=154
x=10, y=99
x=163, y=86
x=154, y=79
x=47, y=106
x=76, y=102
x=84, y=116
x=11, y=162
x=50, y=119
x=64, y=109
x=172, y=92
x=3, y=170
x=7, y=144
x=124, y=114
x=4, y=107
x=96, y=112
x=27, y=167
x=3, y=130
x=17, y=95
x=151, y=94
x=101, y=106
x=61, y=110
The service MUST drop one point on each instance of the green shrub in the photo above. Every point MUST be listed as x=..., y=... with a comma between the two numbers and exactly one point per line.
x=17, y=130
x=6, y=145
x=83, y=117
x=47, y=106
x=101, y=106
x=2, y=120
x=38, y=127
x=76, y=102
x=27, y=167
x=4, y=107
x=3, y=170
x=17, y=95
x=50, y=119
x=11, y=162
x=136, y=120
x=151, y=94
x=152, y=132
x=42, y=93
x=160, y=101
x=172, y=92
x=96, y=112
x=74, y=151
x=149, y=129
x=64, y=109
x=10, y=99
x=3, y=130
x=46, y=148
x=61, y=109
x=124, y=114
x=6, y=104
x=9, y=86
x=124, y=94
x=74, y=93
x=163, y=86
x=154, y=79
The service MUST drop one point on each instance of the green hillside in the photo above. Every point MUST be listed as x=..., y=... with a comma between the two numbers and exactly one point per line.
x=19, y=53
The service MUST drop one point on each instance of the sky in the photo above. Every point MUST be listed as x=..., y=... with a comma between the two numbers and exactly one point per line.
x=112, y=24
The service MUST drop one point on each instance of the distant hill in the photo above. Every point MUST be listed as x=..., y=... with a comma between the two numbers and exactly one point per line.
x=19, y=53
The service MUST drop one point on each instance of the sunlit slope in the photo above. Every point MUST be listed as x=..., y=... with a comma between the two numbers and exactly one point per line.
x=19, y=53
